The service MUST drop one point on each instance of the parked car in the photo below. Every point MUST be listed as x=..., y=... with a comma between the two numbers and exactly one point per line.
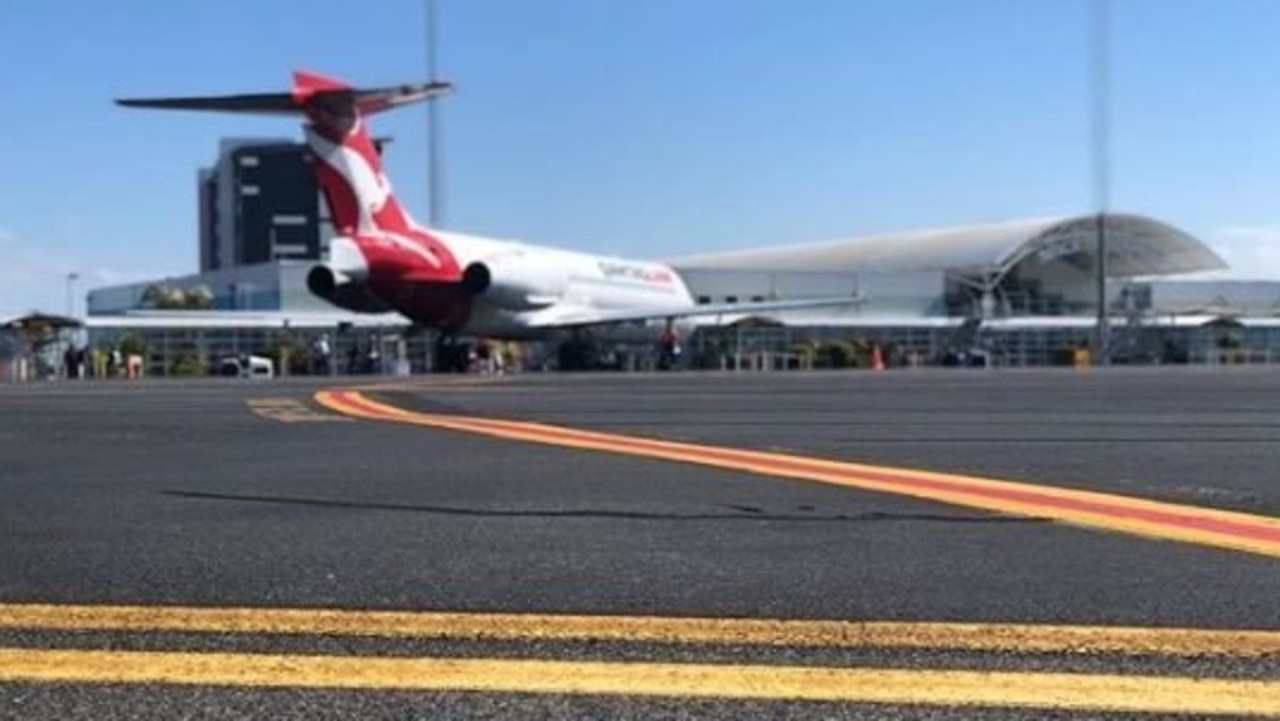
x=247, y=366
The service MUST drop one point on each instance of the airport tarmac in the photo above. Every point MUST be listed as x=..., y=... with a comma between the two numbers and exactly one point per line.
x=137, y=498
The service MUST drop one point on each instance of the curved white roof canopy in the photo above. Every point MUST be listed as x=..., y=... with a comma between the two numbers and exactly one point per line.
x=1136, y=246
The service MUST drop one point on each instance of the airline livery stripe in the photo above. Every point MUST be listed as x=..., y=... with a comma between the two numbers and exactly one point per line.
x=1168, y=521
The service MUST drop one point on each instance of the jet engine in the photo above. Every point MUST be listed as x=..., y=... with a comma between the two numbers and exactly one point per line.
x=516, y=282
x=341, y=280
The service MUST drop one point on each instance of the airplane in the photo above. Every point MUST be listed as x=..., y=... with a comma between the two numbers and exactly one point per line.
x=456, y=284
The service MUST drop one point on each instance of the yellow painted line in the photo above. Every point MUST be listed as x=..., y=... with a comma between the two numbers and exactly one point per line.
x=1021, y=638
x=1167, y=521
x=1061, y=691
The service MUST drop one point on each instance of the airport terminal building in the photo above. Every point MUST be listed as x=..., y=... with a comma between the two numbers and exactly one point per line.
x=1020, y=268
x=1019, y=293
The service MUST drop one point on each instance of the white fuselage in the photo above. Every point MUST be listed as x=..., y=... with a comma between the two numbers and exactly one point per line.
x=566, y=286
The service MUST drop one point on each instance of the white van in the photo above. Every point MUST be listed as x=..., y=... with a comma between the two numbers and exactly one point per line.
x=247, y=367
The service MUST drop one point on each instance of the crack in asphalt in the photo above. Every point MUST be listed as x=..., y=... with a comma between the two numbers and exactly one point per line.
x=741, y=513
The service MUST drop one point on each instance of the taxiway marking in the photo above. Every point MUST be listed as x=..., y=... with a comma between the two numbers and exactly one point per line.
x=1093, y=692
x=979, y=637
x=290, y=410
x=1155, y=519
x=1039, y=690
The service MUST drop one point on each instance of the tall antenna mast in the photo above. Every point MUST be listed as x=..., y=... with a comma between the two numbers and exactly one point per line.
x=435, y=191
x=1102, y=41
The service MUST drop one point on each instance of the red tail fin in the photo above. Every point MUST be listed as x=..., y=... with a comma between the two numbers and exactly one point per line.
x=348, y=167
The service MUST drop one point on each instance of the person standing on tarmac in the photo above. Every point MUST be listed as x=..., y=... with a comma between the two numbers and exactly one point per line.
x=324, y=355
x=669, y=348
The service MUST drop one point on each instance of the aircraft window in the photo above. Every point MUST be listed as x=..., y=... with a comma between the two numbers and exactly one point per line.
x=731, y=299
x=704, y=300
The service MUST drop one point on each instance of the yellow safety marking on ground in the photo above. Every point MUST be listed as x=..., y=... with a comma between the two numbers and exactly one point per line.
x=982, y=637
x=1167, y=521
x=1059, y=691
x=290, y=410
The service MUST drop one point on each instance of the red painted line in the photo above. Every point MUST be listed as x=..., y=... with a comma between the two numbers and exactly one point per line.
x=1184, y=520
x=1188, y=519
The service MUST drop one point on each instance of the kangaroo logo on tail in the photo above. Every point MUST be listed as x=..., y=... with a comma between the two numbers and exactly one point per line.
x=348, y=166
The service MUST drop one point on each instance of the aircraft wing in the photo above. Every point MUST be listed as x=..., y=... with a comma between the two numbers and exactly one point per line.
x=579, y=317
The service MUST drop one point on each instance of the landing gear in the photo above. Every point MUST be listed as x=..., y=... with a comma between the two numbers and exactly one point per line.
x=577, y=353
x=450, y=356
x=582, y=351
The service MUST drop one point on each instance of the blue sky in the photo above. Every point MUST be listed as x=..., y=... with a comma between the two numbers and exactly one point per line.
x=653, y=129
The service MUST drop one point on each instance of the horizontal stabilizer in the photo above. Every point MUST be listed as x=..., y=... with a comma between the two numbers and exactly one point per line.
x=265, y=103
x=308, y=88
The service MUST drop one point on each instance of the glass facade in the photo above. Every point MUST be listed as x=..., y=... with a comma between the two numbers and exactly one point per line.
x=970, y=344
x=177, y=351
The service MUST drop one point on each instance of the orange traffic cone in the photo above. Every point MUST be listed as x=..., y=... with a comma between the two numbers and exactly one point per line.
x=877, y=358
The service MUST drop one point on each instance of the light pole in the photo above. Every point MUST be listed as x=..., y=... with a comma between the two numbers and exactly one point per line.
x=71, y=298
x=435, y=213
x=1101, y=132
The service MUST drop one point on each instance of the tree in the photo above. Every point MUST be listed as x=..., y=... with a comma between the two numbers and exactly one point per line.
x=186, y=365
x=153, y=296
x=133, y=344
x=198, y=298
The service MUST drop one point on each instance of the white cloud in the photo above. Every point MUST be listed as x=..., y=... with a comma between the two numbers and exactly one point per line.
x=1251, y=251
x=34, y=278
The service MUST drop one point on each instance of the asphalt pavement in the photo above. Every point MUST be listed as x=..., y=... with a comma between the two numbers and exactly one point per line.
x=227, y=493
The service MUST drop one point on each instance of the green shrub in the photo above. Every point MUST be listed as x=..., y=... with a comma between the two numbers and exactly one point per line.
x=186, y=365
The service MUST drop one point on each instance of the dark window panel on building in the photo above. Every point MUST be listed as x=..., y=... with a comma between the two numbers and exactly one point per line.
x=277, y=204
x=207, y=185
